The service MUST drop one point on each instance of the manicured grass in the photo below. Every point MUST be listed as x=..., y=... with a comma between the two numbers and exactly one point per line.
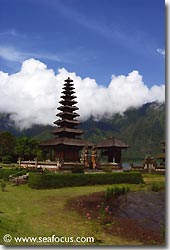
x=28, y=212
x=31, y=212
x=150, y=178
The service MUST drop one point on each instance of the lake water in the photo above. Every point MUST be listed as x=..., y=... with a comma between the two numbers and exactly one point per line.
x=126, y=165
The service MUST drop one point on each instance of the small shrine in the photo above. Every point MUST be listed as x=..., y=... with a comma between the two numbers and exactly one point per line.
x=161, y=156
x=112, y=149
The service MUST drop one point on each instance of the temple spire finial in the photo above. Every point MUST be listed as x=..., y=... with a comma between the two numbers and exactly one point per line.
x=68, y=80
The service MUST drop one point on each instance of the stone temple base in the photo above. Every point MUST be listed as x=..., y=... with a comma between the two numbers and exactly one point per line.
x=112, y=165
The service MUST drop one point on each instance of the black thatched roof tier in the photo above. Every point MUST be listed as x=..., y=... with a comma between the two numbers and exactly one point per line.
x=112, y=142
x=67, y=102
x=67, y=114
x=70, y=92
x=68, y=88
x=65, y=122
x=68, y=130
x=68, y=97
x=67, y=141
x=68, y=84
x=67, y=108
x=68, y=80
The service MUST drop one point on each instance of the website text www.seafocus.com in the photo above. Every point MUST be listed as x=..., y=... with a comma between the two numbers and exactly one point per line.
x=47, y=239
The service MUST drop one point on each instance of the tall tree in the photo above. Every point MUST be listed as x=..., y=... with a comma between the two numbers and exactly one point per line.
x=27, y=148
x=7, y=144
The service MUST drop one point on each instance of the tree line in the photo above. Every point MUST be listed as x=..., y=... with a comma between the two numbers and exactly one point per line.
x=12, y=148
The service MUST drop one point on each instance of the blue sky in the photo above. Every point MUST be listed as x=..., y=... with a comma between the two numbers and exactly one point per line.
x=93, y=38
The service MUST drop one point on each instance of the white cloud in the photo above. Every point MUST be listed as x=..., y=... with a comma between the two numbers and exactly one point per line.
x=12, y=54
x=161, y=51
x=12, y=33
x=32, y=94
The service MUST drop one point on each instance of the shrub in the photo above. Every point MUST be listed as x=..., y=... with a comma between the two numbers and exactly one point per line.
x=115, y=191
x=109, y=193
x=42, y=181
x=155, y=187
x=20, y=173
x=5, y=173
x=78, y=169
x=120, y=190
x=7, y=159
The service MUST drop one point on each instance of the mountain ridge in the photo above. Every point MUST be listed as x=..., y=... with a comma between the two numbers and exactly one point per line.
x=142, y=128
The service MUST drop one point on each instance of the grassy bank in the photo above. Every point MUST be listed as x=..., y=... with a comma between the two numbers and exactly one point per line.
x=30, y=212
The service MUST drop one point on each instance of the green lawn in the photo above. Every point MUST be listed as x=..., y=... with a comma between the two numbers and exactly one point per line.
x=31, y=212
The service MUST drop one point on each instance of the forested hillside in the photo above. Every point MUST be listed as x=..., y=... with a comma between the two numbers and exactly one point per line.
x=141, y=128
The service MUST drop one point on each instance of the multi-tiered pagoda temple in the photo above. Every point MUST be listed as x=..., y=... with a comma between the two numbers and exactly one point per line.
x=67, y=142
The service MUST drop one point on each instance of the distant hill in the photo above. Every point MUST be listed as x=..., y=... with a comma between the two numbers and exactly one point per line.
x=142, y=128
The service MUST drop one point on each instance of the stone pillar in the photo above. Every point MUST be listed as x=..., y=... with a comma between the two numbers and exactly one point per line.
x=36, y=162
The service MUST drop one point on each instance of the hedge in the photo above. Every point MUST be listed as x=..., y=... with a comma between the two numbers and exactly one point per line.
x=43, y=181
